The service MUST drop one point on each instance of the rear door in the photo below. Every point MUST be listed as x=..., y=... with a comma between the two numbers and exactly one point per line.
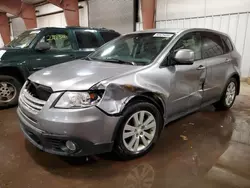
x=217, y=59
x=88, y=41
x=60, y=41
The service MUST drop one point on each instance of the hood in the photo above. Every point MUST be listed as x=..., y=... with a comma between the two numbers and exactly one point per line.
x=79, y=74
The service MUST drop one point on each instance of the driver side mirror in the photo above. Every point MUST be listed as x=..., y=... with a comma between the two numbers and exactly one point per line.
x=184, y=57
x=42, y=46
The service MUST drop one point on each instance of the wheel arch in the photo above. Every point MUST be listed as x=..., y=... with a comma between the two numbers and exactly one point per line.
x=14, y=72
x=237, y=77
x=149, y=97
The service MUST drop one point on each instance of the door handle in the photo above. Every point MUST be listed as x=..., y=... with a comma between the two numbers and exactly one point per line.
x=201, y=67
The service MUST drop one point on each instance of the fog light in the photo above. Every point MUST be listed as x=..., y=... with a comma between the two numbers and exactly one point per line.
x=71, y=145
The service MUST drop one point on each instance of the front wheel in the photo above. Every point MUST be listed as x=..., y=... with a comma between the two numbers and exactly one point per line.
x=9, y=91
x=139, y=129
x=229, y=95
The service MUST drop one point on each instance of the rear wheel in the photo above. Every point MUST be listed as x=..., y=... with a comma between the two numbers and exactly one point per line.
x=9, y=91
x=139, y=130
x=229, y=95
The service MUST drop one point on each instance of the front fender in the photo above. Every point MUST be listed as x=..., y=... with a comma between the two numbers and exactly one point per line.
x=17, y=65
x=116, y=97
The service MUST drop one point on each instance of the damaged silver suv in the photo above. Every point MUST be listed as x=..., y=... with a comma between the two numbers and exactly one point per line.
x=120, y=97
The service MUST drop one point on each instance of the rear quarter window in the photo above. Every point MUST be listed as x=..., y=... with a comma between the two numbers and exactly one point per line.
x=227, y=43
x=108, y=36
x=86, y=39
x=212, y=45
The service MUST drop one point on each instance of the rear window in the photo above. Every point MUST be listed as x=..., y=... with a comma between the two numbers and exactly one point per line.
x=108, y=36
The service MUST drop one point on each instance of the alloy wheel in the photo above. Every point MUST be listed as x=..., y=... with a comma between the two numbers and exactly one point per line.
x=139, y=131
x=7, y=92
x=230, y=93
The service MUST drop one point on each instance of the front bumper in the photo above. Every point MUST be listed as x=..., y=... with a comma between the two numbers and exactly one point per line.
x=55, y=144
x=48, y=129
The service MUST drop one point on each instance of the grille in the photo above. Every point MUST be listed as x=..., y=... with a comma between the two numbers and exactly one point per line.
x=31, y=102
x=34, y=96
x=55, y=144
x=33, y=137
x=39, y=91
x=46, y=142
x=27, y=117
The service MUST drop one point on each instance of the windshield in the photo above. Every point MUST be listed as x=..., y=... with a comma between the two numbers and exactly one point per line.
x=23, y=40
x=135, y=49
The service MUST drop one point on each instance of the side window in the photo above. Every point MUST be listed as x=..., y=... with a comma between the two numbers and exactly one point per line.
x=227, y=44
x=57, y=41
x=211, y=45
x=190, y=41
x=86, y=39
x=108, y=36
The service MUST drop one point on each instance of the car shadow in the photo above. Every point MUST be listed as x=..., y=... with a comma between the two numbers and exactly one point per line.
x=207, y=125
x=73, y=167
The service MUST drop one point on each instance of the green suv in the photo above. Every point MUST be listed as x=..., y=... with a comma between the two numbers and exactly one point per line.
x=39, y=48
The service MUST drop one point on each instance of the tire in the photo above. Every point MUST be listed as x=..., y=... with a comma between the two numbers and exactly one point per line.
x=121, y=145
x=223, y=104
x=11, y=82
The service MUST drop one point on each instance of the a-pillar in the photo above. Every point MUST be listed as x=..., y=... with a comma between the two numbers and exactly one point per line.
x=71, y=10
x=4, y=28
x=148, y=13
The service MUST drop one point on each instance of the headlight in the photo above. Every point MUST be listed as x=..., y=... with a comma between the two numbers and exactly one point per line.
x=79, y=99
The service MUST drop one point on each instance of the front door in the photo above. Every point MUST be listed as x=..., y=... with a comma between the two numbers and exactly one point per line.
x=60, y=51
x=188, y=80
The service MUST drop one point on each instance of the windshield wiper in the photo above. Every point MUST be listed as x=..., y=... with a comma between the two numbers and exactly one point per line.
x=87, y=58
x=113, y=60
x=90, y=59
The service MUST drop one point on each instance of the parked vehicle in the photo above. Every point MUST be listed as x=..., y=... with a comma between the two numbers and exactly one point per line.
x=39, y=48
x=120, y=97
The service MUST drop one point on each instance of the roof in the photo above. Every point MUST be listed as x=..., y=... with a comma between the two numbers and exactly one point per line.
x=77, y=27
x=180, y=30
x=94, y=28
x=167, y=30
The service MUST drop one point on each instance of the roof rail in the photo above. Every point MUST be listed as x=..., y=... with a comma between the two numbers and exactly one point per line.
x=96, y=28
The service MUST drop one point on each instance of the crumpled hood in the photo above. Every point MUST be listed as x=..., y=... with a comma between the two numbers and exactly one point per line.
x=79, y=74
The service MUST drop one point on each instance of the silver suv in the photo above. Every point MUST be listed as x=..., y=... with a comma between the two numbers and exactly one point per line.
x=120, y=97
